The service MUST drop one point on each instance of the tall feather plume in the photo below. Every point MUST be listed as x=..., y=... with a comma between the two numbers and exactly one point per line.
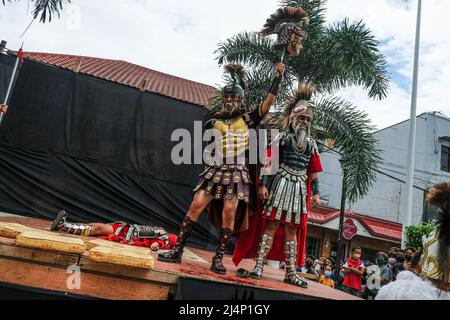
x=237, y=72
x=439, y=195
x=285, y=14
x=304, y=92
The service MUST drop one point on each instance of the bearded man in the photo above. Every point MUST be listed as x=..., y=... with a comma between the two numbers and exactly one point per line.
x=285, y=196
x=224, y=187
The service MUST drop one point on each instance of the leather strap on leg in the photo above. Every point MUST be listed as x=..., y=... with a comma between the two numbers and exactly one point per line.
x=291, y=277
x=217, y=265
x=175, y=254
x=265, y=245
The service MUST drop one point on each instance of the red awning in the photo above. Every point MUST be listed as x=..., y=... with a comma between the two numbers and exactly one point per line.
x=376, y=227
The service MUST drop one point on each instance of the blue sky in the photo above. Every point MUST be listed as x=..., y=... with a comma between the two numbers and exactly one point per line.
x=179, y=37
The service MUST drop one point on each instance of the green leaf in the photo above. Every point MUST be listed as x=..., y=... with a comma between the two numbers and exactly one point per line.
x=415, y=233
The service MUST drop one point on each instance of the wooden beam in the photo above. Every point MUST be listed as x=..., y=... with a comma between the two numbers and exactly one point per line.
x=40, y=256
x=91, y=285
x=157, y=276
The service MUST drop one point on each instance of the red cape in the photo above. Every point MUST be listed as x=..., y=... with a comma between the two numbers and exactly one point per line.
x=248, y=241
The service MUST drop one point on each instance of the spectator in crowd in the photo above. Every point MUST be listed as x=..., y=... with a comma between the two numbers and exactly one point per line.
x=392, y=261
x=409, y=253
x=433, y=282
x=353, y=269
x=328, y=262
x=378, y=275
x=325, y=278
x=3, y=108
x=318, y=265
x=308, y=268
x=414, y=265
x=400, y=261
x=338, y=277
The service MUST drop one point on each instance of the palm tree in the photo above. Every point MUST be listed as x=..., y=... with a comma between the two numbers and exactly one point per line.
x=44, y=8
x=335, y=56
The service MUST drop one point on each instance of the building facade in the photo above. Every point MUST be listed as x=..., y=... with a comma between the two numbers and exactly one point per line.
x=369, y=233
x=385, y=199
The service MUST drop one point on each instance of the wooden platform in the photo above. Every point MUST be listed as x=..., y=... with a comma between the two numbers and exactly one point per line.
x=48, y=270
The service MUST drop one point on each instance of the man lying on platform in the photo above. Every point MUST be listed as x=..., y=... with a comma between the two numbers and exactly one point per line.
x=154, y=238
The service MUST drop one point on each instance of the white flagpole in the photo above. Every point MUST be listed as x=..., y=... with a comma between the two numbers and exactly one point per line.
x=11, y=81
x=412, y=132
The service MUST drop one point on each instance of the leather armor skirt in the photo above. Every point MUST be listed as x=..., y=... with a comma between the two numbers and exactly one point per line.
x=224, y=181
x=287, y=196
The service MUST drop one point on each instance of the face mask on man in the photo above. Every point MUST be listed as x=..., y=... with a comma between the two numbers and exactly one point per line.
x=380, y=261
x=392, y=260
x=328, y=274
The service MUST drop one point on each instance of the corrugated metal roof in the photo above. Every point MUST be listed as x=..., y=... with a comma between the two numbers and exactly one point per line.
x=129, y=74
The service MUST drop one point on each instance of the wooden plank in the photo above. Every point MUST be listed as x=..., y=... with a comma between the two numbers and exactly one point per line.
x=122, y=256
x=50, y=242
x=91, y=285
x=12, y=230
x=159, y=276
x=106, y=243
x=41, y=256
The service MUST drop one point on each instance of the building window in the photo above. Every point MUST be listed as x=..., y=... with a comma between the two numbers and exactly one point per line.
x=445, y=158
x=313, y=247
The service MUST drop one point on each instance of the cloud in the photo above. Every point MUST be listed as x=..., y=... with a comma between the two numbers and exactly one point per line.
x=393, y=23
x=179, y=37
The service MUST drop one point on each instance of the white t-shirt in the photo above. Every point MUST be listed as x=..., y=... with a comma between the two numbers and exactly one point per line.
x=409, y=286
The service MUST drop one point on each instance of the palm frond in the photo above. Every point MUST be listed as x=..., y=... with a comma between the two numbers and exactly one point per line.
x=350, y=56
x=353, y=136
x=44, y=9
x=248, y=48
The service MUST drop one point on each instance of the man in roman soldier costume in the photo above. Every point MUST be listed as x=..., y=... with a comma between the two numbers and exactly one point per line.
x=282, y=220
x=154, y=238
x=224, y=186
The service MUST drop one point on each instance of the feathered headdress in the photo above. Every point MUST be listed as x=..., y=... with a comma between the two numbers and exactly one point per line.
x=285, y=15
x=284, y=22
x=238, y=83
x=300, y=99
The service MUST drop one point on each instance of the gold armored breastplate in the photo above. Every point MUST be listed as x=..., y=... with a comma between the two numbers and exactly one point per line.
x=234, y=137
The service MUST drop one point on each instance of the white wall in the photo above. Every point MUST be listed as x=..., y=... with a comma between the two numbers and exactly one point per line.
x=385, y=198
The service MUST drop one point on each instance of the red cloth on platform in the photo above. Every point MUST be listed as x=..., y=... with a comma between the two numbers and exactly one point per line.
x=140, y=242
x=248, y=241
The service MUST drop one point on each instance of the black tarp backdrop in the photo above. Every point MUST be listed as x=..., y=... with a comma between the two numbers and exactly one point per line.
x=6, y=68
x=99, y=150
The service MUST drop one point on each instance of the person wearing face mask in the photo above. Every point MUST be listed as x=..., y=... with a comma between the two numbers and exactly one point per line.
x=318, y=266
x=325, y=279
x=400, y=261
x=392, y=261
x=354, y=269
x=409, y=254
x=378, y=275
x=308, y=267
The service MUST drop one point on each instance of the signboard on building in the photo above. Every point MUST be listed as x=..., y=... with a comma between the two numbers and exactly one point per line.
x=350, y=229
